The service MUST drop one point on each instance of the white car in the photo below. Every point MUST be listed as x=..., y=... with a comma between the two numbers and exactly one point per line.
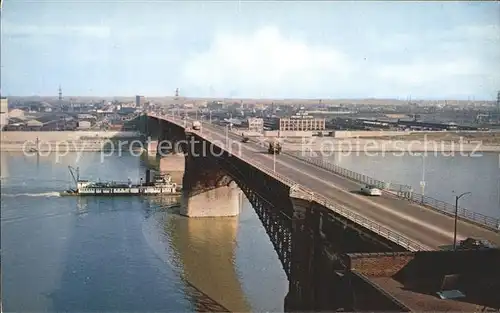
x=371, y=190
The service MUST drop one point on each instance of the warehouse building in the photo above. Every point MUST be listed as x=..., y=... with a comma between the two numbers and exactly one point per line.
x=301, y=121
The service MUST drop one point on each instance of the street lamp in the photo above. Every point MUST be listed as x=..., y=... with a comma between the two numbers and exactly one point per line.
x=456, y=218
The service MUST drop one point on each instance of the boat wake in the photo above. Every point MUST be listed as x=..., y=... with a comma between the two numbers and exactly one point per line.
x=41, y=194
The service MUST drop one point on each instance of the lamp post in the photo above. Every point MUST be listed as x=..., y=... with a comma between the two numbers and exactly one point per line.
x=456, y=218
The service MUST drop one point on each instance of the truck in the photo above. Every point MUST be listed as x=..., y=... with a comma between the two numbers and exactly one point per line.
x=196, y=125
x=244, y=138
x=274, y=148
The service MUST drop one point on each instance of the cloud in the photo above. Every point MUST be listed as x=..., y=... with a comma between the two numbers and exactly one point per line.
x=263, y=62
x=269, y=64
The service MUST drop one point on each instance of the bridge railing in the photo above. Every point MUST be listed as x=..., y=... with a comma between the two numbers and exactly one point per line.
x=405, y=192
x=383, y=231
x=305, y=193
x=448, y=208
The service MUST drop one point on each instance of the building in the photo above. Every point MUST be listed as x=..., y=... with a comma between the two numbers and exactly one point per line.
x=271, y=123
x=255, y=124
x=139, y=101
x=4, y=112
x=301, y=121
x=50, y=122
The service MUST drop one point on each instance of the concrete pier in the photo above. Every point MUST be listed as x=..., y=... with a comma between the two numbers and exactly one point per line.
x=221, y=201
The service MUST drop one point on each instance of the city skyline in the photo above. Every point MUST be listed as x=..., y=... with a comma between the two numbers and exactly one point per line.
x=233, y=49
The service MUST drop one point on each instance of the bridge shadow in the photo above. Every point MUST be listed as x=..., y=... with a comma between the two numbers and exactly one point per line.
x=206, y=249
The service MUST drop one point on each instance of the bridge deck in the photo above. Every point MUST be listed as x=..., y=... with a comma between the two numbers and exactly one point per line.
x=418, y=223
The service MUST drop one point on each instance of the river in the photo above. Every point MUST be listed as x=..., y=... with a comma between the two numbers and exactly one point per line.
x=125, y=254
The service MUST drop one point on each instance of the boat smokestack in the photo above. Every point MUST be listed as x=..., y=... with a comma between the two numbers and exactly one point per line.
x=148, y=176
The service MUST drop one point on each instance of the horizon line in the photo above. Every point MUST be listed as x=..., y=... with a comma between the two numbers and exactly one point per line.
x=409, y=99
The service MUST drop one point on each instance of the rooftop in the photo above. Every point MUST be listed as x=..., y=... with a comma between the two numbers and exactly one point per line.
x=418, y=279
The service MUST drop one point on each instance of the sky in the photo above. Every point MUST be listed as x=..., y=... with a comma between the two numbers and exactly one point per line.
x=342, y=49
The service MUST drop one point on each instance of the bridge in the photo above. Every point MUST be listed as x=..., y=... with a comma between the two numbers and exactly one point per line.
x=323, y=232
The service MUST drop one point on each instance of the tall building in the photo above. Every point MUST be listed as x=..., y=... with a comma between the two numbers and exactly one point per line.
x=4, y=112
x=302, y=122
x=139, y=101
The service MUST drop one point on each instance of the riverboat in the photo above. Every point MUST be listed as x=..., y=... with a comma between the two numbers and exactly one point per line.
x=158, y=185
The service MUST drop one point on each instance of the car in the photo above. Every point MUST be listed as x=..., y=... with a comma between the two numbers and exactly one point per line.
x=370, y=190
x=475, y=244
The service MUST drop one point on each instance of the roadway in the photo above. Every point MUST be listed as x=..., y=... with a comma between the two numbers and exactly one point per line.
x=418, y=223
